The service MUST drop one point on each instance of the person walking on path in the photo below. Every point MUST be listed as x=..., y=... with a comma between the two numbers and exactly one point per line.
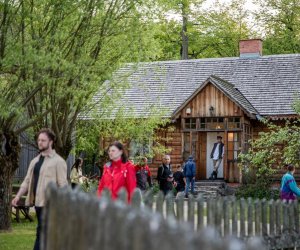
x=189, y=172
x=47, y=167
x=289, y=189
x=143, y=174
x=179, y=180
x=118, y=172
x=217, y=155
x=76, y=173
x=165, y=176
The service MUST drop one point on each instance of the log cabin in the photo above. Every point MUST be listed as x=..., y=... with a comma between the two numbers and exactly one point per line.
x=205, y=98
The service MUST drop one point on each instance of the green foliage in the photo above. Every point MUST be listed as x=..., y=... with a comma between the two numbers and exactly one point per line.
x=280, y=145
x=124, y=127
x=280, y=22
x=259, y=190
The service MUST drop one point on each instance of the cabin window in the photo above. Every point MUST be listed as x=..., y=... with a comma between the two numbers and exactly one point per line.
x=190, y=123
x=233, y=145
x=212, y=123
x=234, y=123
x=186, y=145
x=247, y=137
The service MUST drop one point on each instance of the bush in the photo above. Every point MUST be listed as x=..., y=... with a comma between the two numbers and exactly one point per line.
x=260, y=190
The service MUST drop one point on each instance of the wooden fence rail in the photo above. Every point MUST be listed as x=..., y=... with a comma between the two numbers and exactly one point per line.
x=76, y=220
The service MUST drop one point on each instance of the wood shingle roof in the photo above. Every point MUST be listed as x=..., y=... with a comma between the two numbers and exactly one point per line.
x=266, y=85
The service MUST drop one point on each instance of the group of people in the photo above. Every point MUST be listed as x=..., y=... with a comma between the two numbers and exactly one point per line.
x=182, y=180
x=117, y=173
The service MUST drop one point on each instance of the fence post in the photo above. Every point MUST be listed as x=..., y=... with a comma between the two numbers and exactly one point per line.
x=250, y=217
x=148, y=199
x=136, y=200
x=200, y=212
x=122, y=195
x=170, y=204
x=242, y=218
x=272, y=217
x=226, y=217
x=278, y=216
x=292, y=217
x=296, y=212
x=211, y=211
x=234, y=217
x=160, y=202
x=180, y=207
x=218, y=215
x=257, y=217
x=285, y=218
x=191, y=211
x=264, y=211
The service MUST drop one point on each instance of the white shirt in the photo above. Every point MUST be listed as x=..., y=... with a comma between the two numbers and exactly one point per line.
x=216, y=153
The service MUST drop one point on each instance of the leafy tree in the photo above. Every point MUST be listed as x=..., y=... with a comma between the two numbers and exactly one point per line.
x=54, y=56
x=280, y=22
x=280, y=145
x=211, y=32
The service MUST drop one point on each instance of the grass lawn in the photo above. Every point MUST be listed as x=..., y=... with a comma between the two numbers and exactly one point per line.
x=21, y=237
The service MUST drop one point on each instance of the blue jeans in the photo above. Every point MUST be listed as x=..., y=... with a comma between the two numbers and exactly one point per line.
x=190, y=183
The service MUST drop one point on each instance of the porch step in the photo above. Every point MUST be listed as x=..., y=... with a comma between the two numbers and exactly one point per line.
x=209, y=189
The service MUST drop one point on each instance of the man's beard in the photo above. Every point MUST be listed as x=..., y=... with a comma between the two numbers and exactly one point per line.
x=43, y=149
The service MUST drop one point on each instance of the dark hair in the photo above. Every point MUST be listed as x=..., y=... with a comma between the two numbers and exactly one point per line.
x=290, y=167
x=219, y=137
x=50, y=134
x=76, y=163
x=120, y=146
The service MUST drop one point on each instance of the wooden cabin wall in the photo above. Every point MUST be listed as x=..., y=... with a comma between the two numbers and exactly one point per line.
x=211, y=96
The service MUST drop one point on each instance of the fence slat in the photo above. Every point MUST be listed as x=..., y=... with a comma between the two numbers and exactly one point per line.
x=257, y=204
x=242, y=218
x=170, y=204
x=278, y=205
x=264, y=213
x=180, y=207
x=200, y=212
x=191, y=210
x=272, y=217
x=250, y=217
x=234, y=217
x=160, y=202
x=226, y=211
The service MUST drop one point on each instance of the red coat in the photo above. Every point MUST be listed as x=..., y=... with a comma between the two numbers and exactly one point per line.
x=116, y=176
x=146, y=168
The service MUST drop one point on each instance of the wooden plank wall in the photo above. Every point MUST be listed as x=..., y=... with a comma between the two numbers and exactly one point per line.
x=211, y=96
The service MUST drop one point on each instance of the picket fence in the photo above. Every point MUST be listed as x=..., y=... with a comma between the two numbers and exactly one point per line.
x=76, y=220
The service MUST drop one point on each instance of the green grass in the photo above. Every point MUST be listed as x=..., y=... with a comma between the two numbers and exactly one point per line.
x=21, y=237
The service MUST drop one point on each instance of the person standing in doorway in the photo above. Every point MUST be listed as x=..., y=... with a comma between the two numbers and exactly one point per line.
x=165, y=176
x=47, y=167
x=189, y=172
x=217, y=155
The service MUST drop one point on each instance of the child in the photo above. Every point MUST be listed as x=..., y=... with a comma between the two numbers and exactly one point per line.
x=179, y=180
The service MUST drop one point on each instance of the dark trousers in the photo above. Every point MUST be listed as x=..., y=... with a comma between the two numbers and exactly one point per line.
x=38, y=211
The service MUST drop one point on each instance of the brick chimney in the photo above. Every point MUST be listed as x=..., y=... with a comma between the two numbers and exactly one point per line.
x=250, y=48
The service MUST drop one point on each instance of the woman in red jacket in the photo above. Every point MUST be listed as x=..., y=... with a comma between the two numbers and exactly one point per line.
x=118, y=172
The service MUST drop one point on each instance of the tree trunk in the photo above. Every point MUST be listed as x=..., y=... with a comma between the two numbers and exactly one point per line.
x=184, y=36
x=9, y=162
x=5, y=195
